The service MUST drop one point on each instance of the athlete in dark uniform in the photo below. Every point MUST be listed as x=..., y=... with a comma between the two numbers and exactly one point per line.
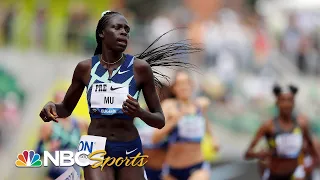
x=113, y=81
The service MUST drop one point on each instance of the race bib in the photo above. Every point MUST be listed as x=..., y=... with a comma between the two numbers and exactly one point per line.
x=289, y=144
x=70, y=174
x=108, y=97
x=191, y=127
x=89, y=144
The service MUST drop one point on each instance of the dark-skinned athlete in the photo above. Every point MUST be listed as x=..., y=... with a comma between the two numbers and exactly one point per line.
x=113, y=81
x=285, y=135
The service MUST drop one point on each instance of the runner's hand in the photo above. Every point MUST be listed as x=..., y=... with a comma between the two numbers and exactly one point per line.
x=49, y=112
x=263, y=155
x=204, y=103
x=131, y=107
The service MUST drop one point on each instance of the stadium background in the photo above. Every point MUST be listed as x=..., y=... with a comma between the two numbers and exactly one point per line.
x=248, y=45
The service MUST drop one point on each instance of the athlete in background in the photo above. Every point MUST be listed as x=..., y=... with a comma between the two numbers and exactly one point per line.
x=305, y=158
x=64, y=135
x=185, y=128
x=285, y=135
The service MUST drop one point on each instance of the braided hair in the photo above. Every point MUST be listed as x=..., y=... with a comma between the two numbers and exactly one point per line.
x=104, y=20
x=167, y=55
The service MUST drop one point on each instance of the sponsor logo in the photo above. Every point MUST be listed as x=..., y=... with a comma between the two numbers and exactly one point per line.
x=28, y=159
x=123, y=72
x=115, y=88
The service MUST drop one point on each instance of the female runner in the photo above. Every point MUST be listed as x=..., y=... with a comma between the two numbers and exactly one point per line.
x=185, y=128
x=285, y=135
x=113, y=81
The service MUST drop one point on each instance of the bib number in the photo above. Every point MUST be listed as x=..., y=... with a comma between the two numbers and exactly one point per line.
x=191, y=127
x=108, y=97
x=89, y=144
x=289, y=144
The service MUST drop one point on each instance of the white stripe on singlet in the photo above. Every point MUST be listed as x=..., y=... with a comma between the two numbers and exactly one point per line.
x=145, y=174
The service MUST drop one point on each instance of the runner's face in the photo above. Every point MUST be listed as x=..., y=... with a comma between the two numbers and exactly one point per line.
x=182, y=87
x=115, y=35
x=285, y=103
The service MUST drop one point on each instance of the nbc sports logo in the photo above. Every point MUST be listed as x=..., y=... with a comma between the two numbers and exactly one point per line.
x=28, y=159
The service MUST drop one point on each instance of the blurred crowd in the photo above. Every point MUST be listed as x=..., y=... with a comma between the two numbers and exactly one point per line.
x=11, y=105
x=301, y=45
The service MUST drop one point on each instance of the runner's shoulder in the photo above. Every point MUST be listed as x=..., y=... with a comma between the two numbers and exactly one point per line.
x=303, y=120
x=83, y=67
x=267, y=125
x=141, y=65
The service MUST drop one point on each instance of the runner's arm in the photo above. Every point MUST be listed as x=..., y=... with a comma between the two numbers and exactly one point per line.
x=310, y=145
x=204, y=103
x=144, y=77
x=250, y=153
x=209, y=131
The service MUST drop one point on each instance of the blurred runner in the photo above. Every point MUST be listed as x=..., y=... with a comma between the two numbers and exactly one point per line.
x=64, y=135
x=155, y=151
x=186, y=127
x=286, y=135
x=306, y=157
